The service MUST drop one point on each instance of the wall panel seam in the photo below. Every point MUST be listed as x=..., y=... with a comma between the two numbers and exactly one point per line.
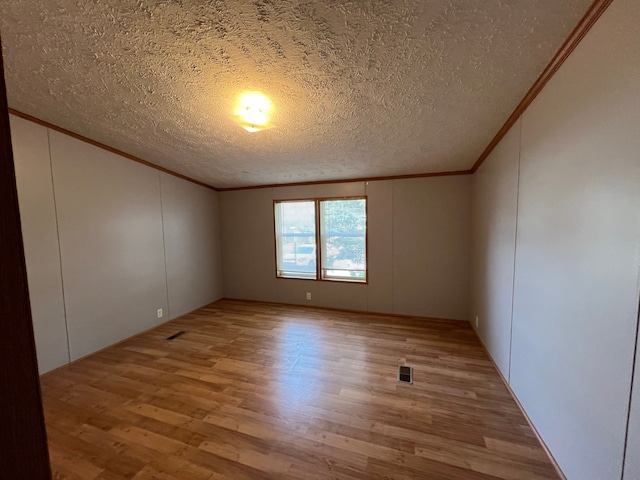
x=631, y=388
x=393, y=236
x=164, y=246
x=515, y=251
x=55, y=213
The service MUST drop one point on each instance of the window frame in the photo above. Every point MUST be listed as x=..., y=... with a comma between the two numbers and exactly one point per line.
x=319, y=277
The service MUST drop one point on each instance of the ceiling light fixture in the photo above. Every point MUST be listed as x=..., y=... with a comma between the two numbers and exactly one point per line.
x=253, y=112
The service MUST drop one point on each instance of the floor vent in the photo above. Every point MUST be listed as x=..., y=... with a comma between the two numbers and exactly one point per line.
x=176, y=335
x=405, y=374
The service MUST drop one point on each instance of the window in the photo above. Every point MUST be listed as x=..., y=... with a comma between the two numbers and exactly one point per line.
x=296, y=239
x=325, y=239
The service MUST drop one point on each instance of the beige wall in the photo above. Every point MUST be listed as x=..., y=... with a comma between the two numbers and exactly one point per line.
x=431, y=233
x=576, y=238
x=418, y=247
x=495, y=201
x=110, y=230
x=632, y=459
x=192, y=244
x=95, y=228
x=555, y=253
x=40, y=234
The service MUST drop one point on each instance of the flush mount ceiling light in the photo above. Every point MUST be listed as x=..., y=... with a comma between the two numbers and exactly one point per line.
x=253, y=112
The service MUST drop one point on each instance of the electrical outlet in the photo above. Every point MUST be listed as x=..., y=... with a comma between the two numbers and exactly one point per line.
x=477, y=321
x=160, y=313
x=308, y=295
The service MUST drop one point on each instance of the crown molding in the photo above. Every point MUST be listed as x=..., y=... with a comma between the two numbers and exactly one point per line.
x=95, y=143
x=592, y=15
x=596, y=9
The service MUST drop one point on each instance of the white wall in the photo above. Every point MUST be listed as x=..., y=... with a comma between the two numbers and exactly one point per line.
x=418, y=247
x=95, y=227
x=575, y=292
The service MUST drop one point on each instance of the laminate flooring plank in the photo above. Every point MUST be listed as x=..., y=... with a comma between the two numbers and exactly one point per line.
x=265, y=391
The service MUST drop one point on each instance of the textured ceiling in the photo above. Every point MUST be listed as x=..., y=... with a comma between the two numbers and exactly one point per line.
x=360, y=88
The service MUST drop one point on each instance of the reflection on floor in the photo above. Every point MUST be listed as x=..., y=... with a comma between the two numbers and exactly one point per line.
x=264, y=391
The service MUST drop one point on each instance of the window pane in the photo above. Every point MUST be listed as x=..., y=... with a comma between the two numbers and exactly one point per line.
x=296, y=239
x=344, y=239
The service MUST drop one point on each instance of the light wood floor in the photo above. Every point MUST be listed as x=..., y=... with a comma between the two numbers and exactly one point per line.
x=257, y=391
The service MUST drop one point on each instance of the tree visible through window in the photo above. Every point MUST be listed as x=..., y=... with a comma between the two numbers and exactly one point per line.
x=324, y=239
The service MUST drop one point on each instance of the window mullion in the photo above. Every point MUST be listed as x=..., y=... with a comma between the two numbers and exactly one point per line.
x=319, y=241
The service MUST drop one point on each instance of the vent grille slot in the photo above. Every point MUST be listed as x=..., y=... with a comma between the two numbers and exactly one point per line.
x=405, y=374
x=176, y=335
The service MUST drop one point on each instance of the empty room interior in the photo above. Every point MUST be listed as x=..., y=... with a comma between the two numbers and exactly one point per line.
x=241, y=219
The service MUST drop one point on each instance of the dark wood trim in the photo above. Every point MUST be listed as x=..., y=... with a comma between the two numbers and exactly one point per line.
x=95, y=143
x=596, y=9
x=588, y=20
x=524, y=412
x=23, y=440
x=350, y=180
